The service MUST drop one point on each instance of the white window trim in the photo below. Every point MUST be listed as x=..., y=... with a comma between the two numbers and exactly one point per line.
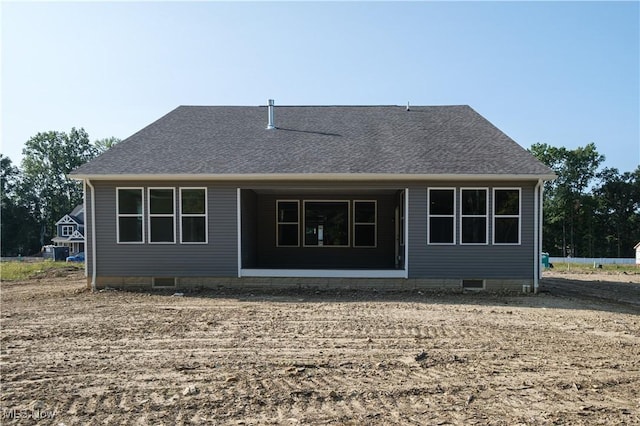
x=304, y=222
x=374, y=224
x=278, y=223
x=486, y=216
x=67, y=230
x=118, y=215
x=173, y=216
x=507, y=216
x=205, y=215
x=452, y=216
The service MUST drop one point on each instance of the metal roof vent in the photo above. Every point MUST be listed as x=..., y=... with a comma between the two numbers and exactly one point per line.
x=271, y=124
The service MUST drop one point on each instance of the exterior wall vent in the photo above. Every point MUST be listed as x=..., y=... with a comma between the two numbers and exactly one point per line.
x=473, y=284
x=271, y=125
x=159, y=282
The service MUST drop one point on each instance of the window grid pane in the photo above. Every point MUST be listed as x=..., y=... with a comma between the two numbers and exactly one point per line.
x=365, y=236
x=130, y=215
x=441, y=230
x=506, y=230
x=130, y=229
x=193, y=215
x=161, y=215
x=193, y=201
x=193, y=229
x=364, y=223
x=130, y=201
x=506, y=220
x=474, y=216
x=441, y=216
x=287, y=223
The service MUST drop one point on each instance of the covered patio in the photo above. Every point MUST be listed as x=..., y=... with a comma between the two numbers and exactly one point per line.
x=322, y=232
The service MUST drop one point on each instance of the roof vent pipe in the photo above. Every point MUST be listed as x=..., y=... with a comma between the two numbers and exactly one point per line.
x=271, y=125
x=408, y=107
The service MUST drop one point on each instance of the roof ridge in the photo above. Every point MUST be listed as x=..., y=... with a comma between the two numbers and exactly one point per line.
x=326, y=106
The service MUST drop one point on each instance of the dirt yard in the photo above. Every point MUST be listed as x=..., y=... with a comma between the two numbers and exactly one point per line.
x=222, y=357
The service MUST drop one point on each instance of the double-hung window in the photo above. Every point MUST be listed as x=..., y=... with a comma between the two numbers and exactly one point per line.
x=162, y=215
x=67, y=230
x=364, y=223
x=474, y=224
x=193, y=215
x=130, y=213
x=441, y=216
x=288, y=223
x=506, y=215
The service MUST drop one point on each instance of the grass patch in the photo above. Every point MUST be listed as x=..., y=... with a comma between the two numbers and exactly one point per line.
x=587, y=268
x=16, y=271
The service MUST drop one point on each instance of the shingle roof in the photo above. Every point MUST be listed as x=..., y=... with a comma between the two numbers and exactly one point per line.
x=221, y=140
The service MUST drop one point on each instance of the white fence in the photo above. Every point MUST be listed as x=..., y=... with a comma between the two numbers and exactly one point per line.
x=596, y=260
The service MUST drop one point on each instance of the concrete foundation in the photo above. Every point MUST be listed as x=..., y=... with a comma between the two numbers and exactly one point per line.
x=264, y=283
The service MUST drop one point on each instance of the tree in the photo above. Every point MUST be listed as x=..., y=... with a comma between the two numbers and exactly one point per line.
x=18, y=229
x=567, y=211
x=48, y=192
x=618, y=211
x=104, y=144
x=8, y=177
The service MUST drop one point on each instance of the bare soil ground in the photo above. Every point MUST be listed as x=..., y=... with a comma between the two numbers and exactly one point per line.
x=71, y=357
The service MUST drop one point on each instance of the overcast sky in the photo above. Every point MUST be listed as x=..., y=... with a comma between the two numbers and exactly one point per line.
x=562, y=73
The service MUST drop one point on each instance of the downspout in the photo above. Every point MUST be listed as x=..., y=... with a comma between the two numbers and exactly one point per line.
x=406, y=232
x=239, y=225
x=84, y=206
x=537, y=234
x=541, y=224
x=93, y=236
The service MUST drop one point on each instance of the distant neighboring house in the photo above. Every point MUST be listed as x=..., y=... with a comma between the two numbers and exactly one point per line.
x=637, y=247
x=358, y=196
x=70, y=230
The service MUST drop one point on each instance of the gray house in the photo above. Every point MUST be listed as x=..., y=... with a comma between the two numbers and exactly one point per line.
x=431, y=196
x=70, y=230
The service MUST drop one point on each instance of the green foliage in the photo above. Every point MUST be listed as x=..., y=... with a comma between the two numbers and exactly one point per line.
x=38, y=194
x=617, y=210
x=104, y=144
x=48, y=192
x=588, y=213
x=19, y=230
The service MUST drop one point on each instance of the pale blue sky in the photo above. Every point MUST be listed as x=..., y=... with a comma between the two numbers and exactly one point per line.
x=563, y=73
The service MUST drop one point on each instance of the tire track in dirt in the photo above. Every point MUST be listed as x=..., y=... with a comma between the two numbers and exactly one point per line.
x=133, y=358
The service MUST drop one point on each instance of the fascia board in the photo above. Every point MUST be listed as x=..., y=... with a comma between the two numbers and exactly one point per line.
x=279, y=177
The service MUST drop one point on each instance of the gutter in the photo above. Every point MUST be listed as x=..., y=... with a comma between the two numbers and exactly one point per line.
x=93, y=236
x=314, y=177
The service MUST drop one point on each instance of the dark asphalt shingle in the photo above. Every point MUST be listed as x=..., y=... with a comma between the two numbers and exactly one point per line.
x=318, y=139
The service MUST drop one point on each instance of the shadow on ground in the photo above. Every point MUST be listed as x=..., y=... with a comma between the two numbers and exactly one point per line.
x=554, y=293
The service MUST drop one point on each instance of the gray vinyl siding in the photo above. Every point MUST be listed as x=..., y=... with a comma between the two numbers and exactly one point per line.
x=217, y=258
x=461, y=261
